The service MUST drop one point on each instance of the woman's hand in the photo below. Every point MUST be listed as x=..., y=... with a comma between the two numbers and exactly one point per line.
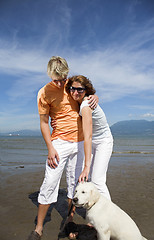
x=84, y=175
x=93, y=101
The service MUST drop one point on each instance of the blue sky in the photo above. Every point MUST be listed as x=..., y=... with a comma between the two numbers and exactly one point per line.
x=111, y=42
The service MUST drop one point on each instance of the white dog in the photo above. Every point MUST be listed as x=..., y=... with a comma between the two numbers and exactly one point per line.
x=108, y=219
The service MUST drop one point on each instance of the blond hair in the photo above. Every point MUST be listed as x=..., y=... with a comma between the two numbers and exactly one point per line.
x=57, y=66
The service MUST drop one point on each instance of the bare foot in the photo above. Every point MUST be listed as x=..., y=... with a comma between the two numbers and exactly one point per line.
x=73, y=235
x=39, y=231
x=71, y=230
x=90, y=225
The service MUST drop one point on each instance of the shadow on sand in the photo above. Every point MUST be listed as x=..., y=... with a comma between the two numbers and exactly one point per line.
x=84, y=232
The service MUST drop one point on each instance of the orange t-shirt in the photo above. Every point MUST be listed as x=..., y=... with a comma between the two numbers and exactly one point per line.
x=59, y=105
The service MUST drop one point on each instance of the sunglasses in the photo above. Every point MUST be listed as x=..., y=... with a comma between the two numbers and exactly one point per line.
x=78, y=89
x=56, y=81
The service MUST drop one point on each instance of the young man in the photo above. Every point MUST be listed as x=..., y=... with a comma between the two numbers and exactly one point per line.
x=65, y=145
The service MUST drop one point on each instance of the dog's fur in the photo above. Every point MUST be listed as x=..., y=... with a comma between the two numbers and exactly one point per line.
x=109, y=220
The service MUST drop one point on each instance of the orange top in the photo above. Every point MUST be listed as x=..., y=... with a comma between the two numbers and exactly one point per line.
x=60, y=106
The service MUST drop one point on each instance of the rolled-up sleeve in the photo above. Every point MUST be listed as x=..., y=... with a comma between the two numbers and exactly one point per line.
x=43, y=105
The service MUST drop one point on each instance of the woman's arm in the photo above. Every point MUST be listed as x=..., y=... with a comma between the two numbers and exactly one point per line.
x=87, y=132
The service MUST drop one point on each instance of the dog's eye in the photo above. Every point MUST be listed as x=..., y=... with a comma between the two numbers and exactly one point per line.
x=83, y=191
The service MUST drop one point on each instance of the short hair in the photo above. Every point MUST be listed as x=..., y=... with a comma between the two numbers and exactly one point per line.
x=58, y=66
x=84, y=81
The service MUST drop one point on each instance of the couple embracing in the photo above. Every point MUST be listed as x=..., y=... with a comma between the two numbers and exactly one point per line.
x=81, y=137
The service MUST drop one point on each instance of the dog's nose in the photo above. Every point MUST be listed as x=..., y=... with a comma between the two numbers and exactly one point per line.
x=75, y=200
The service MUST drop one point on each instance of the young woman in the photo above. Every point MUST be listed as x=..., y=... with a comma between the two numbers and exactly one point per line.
x=98, y=140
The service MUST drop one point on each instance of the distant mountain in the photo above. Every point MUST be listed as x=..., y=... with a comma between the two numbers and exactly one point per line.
x=133, y=127
x=23, y=133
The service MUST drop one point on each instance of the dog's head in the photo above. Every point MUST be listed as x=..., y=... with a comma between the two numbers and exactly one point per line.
x=86, y=195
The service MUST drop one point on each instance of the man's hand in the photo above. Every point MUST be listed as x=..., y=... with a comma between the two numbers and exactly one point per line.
x=53, y=158
x=93, y=101
x=53, y=123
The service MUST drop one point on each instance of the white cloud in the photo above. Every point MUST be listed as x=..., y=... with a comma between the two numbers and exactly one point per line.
x=142, y=107
x=15, y=61
x=137, y=116
x=123, y=69
x=148, y=115
x=115, y=72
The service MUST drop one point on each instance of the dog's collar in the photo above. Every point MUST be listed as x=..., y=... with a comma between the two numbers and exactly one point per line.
x=91, y=206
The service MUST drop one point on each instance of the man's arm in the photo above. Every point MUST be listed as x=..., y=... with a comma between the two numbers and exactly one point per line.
x=53, y=157
x=93, y=101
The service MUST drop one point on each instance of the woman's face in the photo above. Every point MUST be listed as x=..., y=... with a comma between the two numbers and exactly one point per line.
x=77, y=91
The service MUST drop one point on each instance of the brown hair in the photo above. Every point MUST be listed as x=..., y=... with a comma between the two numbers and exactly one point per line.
x=85, y=82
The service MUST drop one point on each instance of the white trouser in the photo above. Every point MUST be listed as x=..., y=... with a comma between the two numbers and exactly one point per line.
x=101, y=153
x=71, y=153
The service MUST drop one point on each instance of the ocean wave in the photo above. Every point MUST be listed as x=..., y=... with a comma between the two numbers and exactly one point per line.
x=132, y=152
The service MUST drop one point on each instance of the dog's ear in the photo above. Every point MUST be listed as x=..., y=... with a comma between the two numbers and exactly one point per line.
x=93, y=197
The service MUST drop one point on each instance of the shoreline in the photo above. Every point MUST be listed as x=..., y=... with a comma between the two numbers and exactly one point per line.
x=130, y=184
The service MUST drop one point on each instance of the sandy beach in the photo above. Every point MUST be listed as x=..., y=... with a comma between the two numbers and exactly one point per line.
x=130, y=185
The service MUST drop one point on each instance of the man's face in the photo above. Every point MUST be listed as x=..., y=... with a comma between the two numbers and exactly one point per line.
x=58, y=81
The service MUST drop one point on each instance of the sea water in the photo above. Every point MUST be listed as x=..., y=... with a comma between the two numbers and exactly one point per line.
x=24, y=151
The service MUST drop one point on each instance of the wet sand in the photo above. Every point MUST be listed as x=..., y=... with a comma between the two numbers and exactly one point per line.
x=130, y=185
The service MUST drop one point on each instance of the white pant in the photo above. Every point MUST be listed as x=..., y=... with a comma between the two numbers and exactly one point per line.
x=101, y=153
x=71, y=153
